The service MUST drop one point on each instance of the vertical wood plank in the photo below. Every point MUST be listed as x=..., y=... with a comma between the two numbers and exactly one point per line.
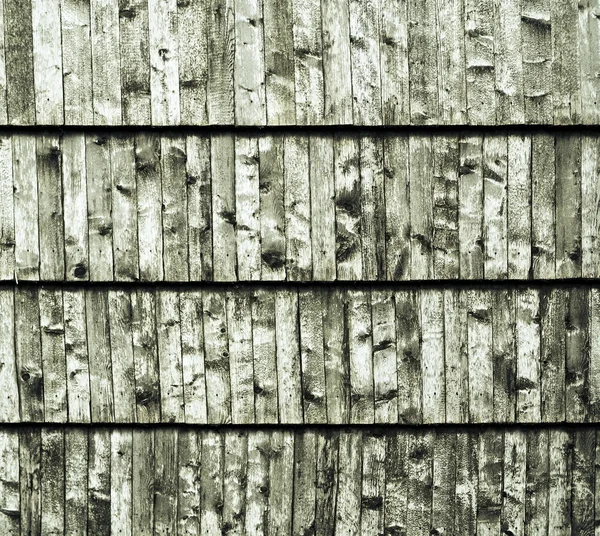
x=10, y=521
x=143, y=482
x=527, y=342
x=165, y=480
x=423, y=62
x=239, y=331
x=289, y=376
x=480, y=62
x=51, y=227
x=470, y=212
x=327, y=468
x=99, y=481
x=249, y=66
x=145, y=356
x=272, y=208
x=337, y=66
x=120, y=316
x=234, y=492
x=408, y=352
x=52, y=334
x=519, y=207
x=508, y=56
x=536, y=491
x=28, y=355
x=496, y=188
x=589, y=40
x=444, y=482
x=280, y=91
x=336, y=353
x=559, y=499
x=189, y=462
x=322, y=207
x=7, y=219
x=257, y=483
x=193, y=358
x=174, y=208
x=223, y=207
x=467, y=483
x=75, y=207
x=106, y=62
x=397, y=217
x=348, y=199
x=216, y=357
x=432, y=348
x=99, y=201
x=310, y=311
x=373, y=483
x=281, y=482
x=543, y=207
x=266, y=402
x=164, y=61
x=47, y=62
x=421, y=206
x=365, y=62
x=149, y=199
x=77, y=62
x=479, y=337
x=101, y=376
x=456, y=356
x=30, y=475
x=594, y=377
x=121, y=482
x=590, y=200
x=490, y=454
x=372, y=193
x=514, y=482
x=504, y=355
x=135, y=62
x=304, y=482
x=445, y=243
x=385, y=371
x=451, y=80
x=192, y=34
x=577, y=357
x=536, y=39
x=568, y=205
x=583, y=483
x=221, y=43
x=9, y=403
x=124, y=208
x=349, y=483
x=199, y=207
x=27, y=245
x=553, y=311
x=566, y=77
x=212, y=480
x=396, y=481
x=419, y=470
x=76, y=481
x=308, y=57
x=297, y=206
x=18, y=39
x=77, y=356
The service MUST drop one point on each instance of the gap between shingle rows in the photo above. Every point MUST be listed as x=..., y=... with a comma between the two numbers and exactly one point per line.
x=457, y=284
x=306, y=129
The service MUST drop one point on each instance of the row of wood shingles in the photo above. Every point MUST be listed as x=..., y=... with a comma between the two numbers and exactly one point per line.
x=340, y=482
x=298, y=207
x=299, y=62
x=310, y=356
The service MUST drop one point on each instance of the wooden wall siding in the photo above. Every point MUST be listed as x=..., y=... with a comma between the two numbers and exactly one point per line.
x=299, y=207
x=305, y=62
x=251, y=355
x=184, y=481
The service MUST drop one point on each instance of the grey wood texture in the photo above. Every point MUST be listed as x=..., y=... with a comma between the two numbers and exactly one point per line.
x=289, y=354
x=299, y=62
x=299, y=207
x=193, y=481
